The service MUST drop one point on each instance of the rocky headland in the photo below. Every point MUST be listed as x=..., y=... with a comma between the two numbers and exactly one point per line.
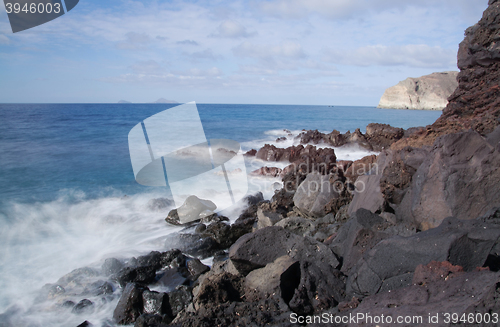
x=411, y=232
x=429, y=92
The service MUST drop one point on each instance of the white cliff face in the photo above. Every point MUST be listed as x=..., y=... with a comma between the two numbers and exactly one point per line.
x=429, y=92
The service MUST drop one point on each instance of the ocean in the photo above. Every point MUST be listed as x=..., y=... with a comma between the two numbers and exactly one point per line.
x=69, y=199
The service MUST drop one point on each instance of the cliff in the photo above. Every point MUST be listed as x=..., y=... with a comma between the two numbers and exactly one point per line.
x=429, y=92
x=475, y=104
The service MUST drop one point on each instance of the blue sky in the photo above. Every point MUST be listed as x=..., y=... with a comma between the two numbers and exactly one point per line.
x=329, y=52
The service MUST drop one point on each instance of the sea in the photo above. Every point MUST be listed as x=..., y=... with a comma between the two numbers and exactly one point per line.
x=69, y=198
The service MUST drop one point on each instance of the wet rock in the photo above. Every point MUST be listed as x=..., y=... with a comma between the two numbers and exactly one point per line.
x=313, y=194
x=173, y=218
x=196, y=267
x=143, y=275
x=78, y=277
x=193, y=244
x=85, y=324
x=111, y=266
x=83, y=306
x=179, y=299
x=464, y=243
x=250, y=153
x=155, y=303
x=130, y=305
x=190, y=210
x=267, y=171
x=254, y=199
x=171, y=278
x=221, y=233
x=50, y=291
x=312, y=137
x=281, y=139
x=460, y=178
x=99, y=288
x=160, y=204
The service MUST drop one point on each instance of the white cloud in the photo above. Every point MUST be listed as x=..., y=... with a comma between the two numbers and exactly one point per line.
x=260, y=51
x=231, y=29
x=413, y=55
x=344, y=9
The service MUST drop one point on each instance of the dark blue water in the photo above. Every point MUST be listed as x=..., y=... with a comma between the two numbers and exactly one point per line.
x=51, y=149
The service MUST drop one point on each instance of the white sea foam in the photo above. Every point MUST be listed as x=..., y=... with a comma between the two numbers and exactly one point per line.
x=41, y=242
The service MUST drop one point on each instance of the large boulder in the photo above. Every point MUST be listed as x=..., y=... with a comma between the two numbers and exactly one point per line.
x=390, y=264
x=314, y=193
x=358, y=235
x=473, y=294
x=130, y=305
x=192, y=209
x=381, y=136
x=459, y=178
x=321, y=284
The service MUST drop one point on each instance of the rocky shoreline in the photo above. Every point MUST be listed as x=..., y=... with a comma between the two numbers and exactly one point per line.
x=412, y=232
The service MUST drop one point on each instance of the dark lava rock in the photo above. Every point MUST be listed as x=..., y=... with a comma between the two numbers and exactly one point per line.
x=155, y=302
x=463, y=293
x=358, y=235
x=321, y=285
x=143, y=275
x=250, y=153
x=173, y=218
x=203, y=246
x=152, y=320
x=99, y=288
x=217, y=289
x=78, y=277
x=196, y=267
x=130, y=305
x=111, y=266
x=459, y=178
x=171, y=278
x=381, y=136
x=464, y=243
x=179, y=299
x=85, y=324
x=267, y=312
x=267, y=171
x=83, y=306
x=160, y=204
x=257, y=249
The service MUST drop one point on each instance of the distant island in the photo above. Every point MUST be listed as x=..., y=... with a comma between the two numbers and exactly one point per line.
x=124, y=101
x=163, y=100
x=429, y=92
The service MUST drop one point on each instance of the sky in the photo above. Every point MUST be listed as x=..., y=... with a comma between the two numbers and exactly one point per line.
x=311, y=52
